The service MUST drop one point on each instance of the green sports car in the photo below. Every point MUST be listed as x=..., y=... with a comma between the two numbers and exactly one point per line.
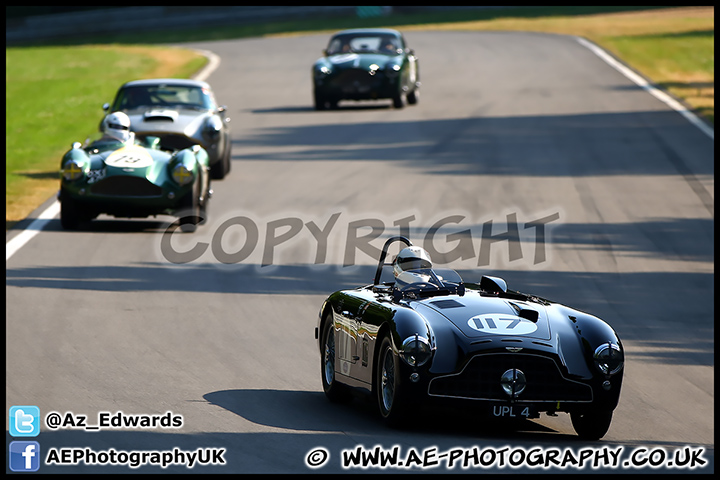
x=131, y=179
x=366, y=64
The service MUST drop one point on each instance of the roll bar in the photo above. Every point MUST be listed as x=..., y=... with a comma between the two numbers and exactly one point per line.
x=382, y=263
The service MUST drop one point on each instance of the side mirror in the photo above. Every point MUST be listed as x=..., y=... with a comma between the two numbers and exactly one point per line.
x=106, y=107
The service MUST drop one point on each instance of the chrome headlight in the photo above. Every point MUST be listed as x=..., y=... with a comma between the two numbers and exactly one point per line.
x=182, y=175
x=392, y=71
x=213, y=126
x=416, y=351
x=322, y=72
x=609, y=359
x=72, y=170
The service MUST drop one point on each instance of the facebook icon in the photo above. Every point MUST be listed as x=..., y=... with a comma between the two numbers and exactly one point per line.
x=24, y=456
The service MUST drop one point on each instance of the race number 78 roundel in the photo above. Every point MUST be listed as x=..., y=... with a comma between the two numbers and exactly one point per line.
x=502, y=324
x=129, y=157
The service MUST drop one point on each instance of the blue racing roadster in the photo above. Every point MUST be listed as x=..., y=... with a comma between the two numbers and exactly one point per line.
x=427, y=337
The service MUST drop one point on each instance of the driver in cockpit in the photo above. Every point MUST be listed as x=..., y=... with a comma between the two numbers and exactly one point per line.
x=408, y=262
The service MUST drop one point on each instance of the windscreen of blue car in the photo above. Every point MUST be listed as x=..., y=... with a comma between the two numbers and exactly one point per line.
x=364, y=44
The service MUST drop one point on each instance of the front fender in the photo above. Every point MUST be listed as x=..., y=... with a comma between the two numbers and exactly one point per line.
x=407, y=323
x=590, y=330
x=445, y=339
x=589, y=333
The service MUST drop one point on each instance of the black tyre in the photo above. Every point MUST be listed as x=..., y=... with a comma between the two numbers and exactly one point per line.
x=227, y=157
x=69, y=218
x=204, y=207
x=413, y=96
x=190, y=213
x=72, y=214
x=393, y=409
x=319, y=100
x=335, y=391
x=399, y=99
x=219, y=169
x=591, y=425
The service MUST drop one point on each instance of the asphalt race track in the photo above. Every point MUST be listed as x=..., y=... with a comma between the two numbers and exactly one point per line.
x=527, y=157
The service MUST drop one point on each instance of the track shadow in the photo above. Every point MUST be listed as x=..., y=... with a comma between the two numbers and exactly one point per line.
x=581, y=145
x=312, y=411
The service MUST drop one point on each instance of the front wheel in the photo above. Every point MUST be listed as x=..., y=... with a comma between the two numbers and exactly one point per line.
x=227, y=156
x=591, y=425
x=413, y=96
x=393, y=408
x=319, y=100
x=72, y=214
x=69, y=216
x=219, y=169
x=400, y=99
x=191, y=213
x=203, y=206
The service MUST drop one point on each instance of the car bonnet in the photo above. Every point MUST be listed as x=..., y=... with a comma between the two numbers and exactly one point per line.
x=133, y=160
x=183, y=121
x=477, y=316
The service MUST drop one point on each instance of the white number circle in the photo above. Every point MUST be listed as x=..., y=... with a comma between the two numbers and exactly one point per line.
x=502, y=324
x=129, y=157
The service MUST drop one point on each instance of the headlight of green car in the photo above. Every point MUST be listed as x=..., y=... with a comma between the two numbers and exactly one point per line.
x=73, y=169
x=182, y=175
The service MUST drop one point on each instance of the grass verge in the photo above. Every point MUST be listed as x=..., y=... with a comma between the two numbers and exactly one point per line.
x=44, y=84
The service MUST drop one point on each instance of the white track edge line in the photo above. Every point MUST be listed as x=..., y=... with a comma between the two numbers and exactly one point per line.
x=645, y=85
x=18, y=241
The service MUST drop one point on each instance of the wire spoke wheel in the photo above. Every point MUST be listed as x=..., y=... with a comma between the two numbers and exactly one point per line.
x=335, y=391
x=329, y=357
x=387, y=380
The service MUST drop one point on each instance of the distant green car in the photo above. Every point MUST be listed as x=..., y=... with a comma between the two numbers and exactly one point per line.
x=366, y=64
x=133, y=180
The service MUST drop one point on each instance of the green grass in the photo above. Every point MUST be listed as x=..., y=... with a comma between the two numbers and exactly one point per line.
x=54, y=97
x=54, y=92
x=683, y=64
x=317, y=23
x=51, y=94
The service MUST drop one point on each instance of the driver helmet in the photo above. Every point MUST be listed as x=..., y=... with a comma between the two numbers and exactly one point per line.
x=117, y=125
x=411, y=258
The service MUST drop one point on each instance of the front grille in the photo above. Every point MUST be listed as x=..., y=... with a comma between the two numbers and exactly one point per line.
x=355, y=80
x=480, y=380
x=122, y=186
